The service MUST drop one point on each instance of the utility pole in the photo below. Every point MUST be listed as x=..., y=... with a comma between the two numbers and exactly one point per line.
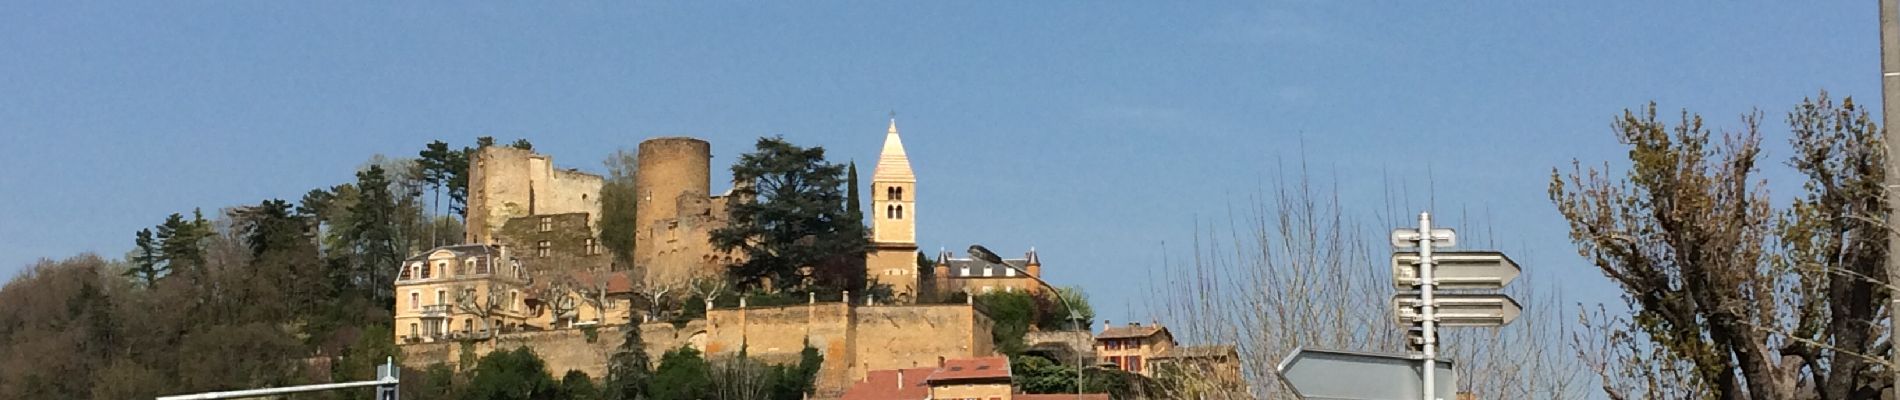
x=1890, y=114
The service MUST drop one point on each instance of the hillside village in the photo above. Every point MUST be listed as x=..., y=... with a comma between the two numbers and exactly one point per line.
x=534, y=274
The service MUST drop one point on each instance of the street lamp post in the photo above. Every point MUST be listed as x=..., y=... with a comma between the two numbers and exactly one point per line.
x=1075, y=318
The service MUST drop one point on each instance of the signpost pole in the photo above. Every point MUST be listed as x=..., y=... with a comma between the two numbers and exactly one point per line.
x=1429, y=310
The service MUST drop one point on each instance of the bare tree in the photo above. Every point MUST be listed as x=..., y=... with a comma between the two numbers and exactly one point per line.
x=483, y=307
x=1733, y=298
x=739, y=378
x=656, y=296
x=1293, y=269
x=594, y=293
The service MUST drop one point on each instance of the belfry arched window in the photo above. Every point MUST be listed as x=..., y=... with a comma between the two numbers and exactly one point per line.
x=890, y=211
x=900, y=211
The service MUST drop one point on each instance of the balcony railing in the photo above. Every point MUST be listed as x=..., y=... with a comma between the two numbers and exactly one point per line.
x=437, y=311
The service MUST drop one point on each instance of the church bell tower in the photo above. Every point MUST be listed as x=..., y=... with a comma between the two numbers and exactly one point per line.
x=892, y=259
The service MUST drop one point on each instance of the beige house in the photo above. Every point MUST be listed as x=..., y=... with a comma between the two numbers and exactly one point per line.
x=459, y=291
x=1130, y=347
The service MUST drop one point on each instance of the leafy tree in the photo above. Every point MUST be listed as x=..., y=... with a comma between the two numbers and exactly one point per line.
x=229, y=357
x=484, y=141
x=522, y=144
x=618, y=201
x=683, y=375
x=512, y=375
x=1035, y=374
x=1012, y=314
x=1733, y=298
x=793, y=218
x=576, y=385
x=628, y=374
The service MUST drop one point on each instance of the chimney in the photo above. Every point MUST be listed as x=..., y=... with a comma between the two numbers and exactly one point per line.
x=939, y=361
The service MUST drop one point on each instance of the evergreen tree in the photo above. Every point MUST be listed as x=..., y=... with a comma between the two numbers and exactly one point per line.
x=683, y=375
x=795, y=218
x=147, y=262
x=628, y=371
x=522, y=144
x=372, y=236
x=181, y=244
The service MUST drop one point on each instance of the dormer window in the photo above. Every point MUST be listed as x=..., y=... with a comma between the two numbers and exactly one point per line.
x=468, y=266
x=425, y=272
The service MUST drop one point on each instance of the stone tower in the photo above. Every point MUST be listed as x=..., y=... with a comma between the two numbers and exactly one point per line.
x=673, y=218
x=506, y=182
x=892, y=259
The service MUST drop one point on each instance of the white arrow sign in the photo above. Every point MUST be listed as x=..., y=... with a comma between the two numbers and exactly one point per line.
x=1456, y=270
x=1458, y=309
x=1408, y=237
x=1345, y=375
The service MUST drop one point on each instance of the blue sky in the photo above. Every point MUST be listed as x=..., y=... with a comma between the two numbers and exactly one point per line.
x=1094, y=131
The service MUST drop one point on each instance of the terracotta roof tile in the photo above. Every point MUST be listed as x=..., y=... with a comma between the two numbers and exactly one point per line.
x=1131, y=331
x=884, y=385
x=972, y=369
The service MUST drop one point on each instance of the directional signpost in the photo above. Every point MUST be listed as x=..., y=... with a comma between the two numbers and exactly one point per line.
x=1450, y=270
x=1418, y=274
x=1342, y=375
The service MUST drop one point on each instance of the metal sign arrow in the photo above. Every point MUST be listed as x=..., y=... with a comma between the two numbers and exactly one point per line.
x=1407, y=237
x=1345, y=375
x=1456, y=270
x=1458, y=309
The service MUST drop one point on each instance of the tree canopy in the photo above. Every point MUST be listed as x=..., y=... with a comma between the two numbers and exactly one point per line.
x=791, y=221
x=1733, y=296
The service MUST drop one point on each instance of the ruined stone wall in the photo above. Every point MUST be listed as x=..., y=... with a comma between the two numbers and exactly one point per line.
x=570, y=238
x=675, y=216
x=506, y=182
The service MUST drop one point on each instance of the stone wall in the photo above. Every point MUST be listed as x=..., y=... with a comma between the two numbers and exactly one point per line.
x=568, y=236
x=562, y=349
x=506, y=182
x=853, y=339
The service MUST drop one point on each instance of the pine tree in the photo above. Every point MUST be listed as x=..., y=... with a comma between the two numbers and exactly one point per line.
x=147, y=265
x=372, y=234
x=628, y=371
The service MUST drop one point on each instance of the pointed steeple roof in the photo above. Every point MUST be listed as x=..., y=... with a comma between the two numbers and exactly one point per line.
x=893, y=165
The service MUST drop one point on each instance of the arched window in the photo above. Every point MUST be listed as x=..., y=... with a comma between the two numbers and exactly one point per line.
x=890, y=193
x=900, y=211
x=900, y=193
x=890, y=211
